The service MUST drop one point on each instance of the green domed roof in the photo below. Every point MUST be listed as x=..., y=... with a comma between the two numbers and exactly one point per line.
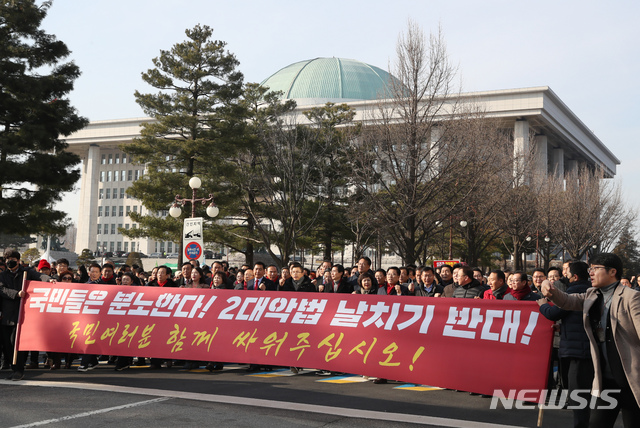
x=319, y=80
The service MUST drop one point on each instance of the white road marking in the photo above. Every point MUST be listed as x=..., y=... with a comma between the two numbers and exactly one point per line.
x=93, y=412
x=270, y=404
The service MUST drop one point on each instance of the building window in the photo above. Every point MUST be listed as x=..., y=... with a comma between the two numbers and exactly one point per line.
x=120, y=211
x=126, y=226
x=99, y=211
x=133, y=246
x=119, y=246
x=113, y=229
x=103, y=160
x=110, y=159
x=111, y=247
x=117, y=158
x=108, y=175
x=106, y=211
x=130, y=175
x=170, y=247
x=137, y=174
x=134, y=225
x=124, y=158
x=102, y=174
x=122, y=189
x=135, y=208
x=126, y=247
x=128, y=209
x=115, y=175
x=106, y=229
x=113, y=211
x=123, y=175
x=99, y=228
x=108, y=194
x=100, y=193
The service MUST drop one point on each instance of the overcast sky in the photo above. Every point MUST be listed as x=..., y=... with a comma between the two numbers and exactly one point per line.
x=587, y=52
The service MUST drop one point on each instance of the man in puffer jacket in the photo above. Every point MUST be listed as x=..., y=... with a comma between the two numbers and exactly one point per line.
x=468, y=287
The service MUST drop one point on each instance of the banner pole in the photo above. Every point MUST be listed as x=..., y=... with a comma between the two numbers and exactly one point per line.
x=540, y=415
x=20, y=312
x=540, y=408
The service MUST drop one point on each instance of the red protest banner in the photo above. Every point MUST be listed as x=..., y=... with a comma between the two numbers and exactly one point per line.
x=438, y=263
x=453, y=343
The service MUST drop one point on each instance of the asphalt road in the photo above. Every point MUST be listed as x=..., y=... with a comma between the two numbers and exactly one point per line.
x=140, y=397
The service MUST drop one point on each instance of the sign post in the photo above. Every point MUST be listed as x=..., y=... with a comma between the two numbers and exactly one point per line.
x=192, y=238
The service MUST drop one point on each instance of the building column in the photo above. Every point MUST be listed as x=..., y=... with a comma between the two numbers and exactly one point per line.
x=541, y=164
x=572, y=167
x=435, y=148
x=557, y=160
x=520, y=151
x=88, y=217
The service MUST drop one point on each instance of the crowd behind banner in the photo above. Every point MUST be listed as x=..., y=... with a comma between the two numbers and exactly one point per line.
x=457, y=281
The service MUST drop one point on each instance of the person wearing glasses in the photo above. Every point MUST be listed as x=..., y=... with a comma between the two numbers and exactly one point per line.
x=520, y=289
x=611, y=319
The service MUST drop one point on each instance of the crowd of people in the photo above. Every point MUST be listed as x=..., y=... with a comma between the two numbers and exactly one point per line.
x=572, y=352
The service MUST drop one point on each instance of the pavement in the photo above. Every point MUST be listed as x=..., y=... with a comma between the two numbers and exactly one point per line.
x=233, y=397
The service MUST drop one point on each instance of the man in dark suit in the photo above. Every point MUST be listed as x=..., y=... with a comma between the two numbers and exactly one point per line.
x=261, y=282
x=339, y=282
x=611, y=319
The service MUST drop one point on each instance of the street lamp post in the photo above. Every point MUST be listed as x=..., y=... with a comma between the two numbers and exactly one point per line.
x=537, y=248
x=175, y=211
x=463, y=224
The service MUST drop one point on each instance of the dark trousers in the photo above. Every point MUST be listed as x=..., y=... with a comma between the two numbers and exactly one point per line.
x=606, y=418
x=577, y=373
x=89, y=359
x=8, y=343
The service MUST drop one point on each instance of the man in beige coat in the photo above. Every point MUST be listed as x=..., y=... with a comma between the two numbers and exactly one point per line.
x=611, y=316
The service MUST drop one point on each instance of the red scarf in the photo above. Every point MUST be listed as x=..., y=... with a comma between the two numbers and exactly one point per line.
x=519, y=294
x=390, y=288
x=161, y=284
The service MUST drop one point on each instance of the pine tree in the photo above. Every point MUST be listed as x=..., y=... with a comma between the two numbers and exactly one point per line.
x=198, y=128
x=35, y=169
x=627, y=249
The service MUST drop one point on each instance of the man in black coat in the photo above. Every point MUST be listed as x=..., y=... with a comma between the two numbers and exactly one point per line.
x=427, y=286
x=298, y=281
x=11, y=293
x=339, y=282
x=575, y=355
x=364, y=265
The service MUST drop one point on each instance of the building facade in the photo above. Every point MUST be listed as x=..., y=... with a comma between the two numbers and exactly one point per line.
x=538, y=118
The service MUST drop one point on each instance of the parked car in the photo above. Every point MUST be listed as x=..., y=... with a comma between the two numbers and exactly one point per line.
x=172, y=256
x=155, y=255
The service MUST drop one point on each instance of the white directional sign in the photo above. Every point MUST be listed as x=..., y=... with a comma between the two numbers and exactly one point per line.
x=192, y=239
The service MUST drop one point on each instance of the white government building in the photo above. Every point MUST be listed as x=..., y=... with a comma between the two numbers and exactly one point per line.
x=562, y=141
